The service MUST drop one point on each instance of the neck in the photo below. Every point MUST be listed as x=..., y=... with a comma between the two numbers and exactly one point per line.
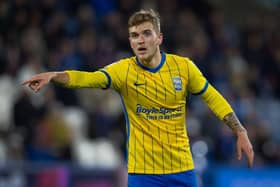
x=153, y=62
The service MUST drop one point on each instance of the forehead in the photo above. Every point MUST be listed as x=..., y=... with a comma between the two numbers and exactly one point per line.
x=141, y=27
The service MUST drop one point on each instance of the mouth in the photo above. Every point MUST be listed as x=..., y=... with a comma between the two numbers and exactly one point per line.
x=141, y=50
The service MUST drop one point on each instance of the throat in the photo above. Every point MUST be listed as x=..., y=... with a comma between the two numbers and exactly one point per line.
x=152, y=62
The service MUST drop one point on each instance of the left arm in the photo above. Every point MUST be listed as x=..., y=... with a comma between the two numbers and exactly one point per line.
x=223, y=110
x=198, y=85
x=243, y=142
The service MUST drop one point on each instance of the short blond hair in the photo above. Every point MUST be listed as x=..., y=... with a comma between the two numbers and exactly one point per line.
x=142, y=16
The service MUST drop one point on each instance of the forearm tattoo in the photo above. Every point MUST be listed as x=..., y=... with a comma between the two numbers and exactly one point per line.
x=233, y=123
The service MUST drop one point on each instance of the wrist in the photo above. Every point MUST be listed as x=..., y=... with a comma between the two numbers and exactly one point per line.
x=53, y=76
x=241, y=131
x=60, y=77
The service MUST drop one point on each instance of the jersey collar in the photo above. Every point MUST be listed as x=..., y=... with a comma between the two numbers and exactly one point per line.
x=156, y=69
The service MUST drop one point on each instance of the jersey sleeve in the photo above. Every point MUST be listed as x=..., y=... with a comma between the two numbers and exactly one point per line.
x=216, y=102
x=82, y=79
x=197, y=83
x=115, y=73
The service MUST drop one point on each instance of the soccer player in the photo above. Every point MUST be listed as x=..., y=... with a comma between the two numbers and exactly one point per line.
x=153, y=86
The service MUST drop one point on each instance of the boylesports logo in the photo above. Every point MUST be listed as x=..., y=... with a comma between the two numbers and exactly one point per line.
x=161, y=113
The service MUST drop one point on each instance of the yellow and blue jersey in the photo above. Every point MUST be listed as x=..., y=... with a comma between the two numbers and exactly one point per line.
x=154, y=102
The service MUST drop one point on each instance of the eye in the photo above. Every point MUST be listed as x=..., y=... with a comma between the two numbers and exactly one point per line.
x=133, y=35
x=147, y=33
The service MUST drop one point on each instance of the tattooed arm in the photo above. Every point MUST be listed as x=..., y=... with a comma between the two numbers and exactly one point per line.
x=233, y=123
x=223, y=110
x=243, y=142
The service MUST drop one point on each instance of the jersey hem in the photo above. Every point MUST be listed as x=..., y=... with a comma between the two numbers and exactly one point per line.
x=142, y=171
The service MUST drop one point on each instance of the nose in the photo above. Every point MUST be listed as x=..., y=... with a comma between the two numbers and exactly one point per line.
x=141, y=39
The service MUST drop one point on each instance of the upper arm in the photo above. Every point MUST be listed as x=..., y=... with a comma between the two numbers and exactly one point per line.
x=115, y=73
x=197, y=83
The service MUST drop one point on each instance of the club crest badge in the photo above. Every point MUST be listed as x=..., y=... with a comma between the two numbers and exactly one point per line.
x=177, y=82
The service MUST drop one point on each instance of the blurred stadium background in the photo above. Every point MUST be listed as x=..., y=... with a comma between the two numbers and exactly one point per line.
x=76, y=138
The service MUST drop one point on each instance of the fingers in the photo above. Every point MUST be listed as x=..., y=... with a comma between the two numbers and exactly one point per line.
x=249, y=152
x=244, y=145
x=239, y=153
x=30, y=81
x=38, y=81
x=34, y=85
x=26, y=82
x=250, y=156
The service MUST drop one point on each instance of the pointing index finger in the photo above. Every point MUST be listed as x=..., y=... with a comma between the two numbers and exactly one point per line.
x=26, y=82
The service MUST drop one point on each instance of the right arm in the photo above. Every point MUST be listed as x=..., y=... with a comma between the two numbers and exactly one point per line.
x=70, y=79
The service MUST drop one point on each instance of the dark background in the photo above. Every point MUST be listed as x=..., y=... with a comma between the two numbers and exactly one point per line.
x=236, y=44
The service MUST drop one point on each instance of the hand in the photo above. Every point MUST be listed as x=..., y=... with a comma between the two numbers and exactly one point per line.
x=37, y=82
x=244, y=145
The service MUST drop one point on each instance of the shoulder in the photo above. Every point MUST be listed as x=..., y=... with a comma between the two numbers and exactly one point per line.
x=124, y=62
x=127, y=61
x=178, y=58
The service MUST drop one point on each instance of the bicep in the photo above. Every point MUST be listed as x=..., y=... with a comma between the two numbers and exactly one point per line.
x=216, y=102
x=197, y=83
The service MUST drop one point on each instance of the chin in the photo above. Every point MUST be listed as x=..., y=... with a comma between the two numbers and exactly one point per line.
x=143, y=57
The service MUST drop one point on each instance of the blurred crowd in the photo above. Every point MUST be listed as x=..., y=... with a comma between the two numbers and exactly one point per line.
x=242, y=59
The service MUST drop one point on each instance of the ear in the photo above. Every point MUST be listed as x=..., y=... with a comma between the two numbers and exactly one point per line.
x=160, y=38
x=129, y=42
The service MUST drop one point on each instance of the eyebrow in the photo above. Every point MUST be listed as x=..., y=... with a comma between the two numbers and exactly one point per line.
x=133, y=33
x=141, y=31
